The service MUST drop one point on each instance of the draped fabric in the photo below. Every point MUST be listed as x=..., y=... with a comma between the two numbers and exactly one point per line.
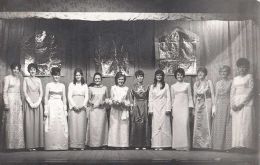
x=221, y=42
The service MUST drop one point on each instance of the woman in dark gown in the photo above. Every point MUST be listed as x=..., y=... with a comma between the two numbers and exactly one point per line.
x=139, y=126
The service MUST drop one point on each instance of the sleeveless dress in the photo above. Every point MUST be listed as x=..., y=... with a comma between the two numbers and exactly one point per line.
x=14, y=117
x=56, y=127
x=34, y=126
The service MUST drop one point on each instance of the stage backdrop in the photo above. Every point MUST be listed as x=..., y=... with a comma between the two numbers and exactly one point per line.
x=130, y=45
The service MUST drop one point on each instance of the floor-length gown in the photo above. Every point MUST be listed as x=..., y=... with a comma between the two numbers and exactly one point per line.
x=77, y=119
x=56, y=126
x=14, y=117
x=181, y=101
x=221, y=124
x=242, y=120
x=34, y=126
x=139, y=125
x=202, y=116
x=159, y=104
x=98, y=122
x=118, y=135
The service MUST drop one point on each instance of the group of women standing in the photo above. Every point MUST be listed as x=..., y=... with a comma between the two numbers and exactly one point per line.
x=155, y=116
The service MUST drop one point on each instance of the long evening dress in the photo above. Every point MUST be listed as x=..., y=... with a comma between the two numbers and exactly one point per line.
x=181, y=101
x=159, y=104
x=33, y=116
x=14, y=117
x=202, y=116
x=242, y=120
x=98, y=122
x=118, y=132
x=221, y=124
x=56, y=126
x=77, y=121
x=139, y=125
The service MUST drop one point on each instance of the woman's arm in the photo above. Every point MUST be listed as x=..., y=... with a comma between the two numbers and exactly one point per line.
x=213, y=111
x=27, y=98
x=46, y=109
x=64, y=98
x=70, y=99
x=85, y=102
x=168, y=99
x=191, y=104
x=150, y=100
x=173, y=96
x=5, y=92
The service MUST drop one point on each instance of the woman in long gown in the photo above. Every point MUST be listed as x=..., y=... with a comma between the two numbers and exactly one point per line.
x=56, y=126
x=14, y=116
x=77, y=121
x=181, y=103
x=139, y=125
x=160, y=109
x=98, y=122
x=204, y=99
x=33, y=109
x=118, y=135
x=221, y=124
x=242, y=107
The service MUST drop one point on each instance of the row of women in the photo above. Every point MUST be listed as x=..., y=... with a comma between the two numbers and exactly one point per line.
x=120, y=119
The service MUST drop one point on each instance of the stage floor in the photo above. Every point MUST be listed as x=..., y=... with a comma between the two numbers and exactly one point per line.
x=127, y=157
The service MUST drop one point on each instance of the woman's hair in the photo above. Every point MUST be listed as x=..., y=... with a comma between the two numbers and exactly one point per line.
x=159, y=71
x=13, y=65
x=227, y=68
x=55, y=71
x=179, y=70
x=202, y=69
x=243, y=62
x=139, y=73
x=78, y=70
x=32, y=65
x=118, y=75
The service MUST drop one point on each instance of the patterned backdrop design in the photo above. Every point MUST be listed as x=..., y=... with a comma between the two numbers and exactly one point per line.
x=44, y=49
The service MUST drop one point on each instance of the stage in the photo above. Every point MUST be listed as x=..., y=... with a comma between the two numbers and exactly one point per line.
x=128, y=157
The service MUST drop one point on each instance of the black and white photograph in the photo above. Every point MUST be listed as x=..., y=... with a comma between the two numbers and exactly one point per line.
x=130, y=82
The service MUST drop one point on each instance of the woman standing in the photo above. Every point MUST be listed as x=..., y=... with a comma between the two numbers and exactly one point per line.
x=139, y=132
x=204, y=96
x=221, y=124
x=32, y=88
x=98, y=122
x=242, y=107
x=78, y=98
x=181, y=103
x=118, y=135
x=14, y=128
x=160, y=109
x=56, y=126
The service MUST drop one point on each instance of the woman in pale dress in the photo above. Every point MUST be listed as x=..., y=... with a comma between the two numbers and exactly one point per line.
x=33, y=109
x=181, y=104
x=13, y=114
x=221, y=122
x=56, y=126
x=139, y=124
x=160, y=110
x=242, y=107
x=118, y=135
x=204, y=101
x=98, y=121
x=77, y=121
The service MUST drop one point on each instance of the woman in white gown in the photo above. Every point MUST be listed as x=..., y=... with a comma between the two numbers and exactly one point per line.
x=242, y=107
x=181, y=103
x=160, y=110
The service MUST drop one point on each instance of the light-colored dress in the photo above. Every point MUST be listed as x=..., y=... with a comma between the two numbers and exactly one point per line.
x=98, y=122
x=139, y=125
x=159, y=104
x=77, y=120
x=118, y=135
x=181, y=101
x=221, y=124
x=34, y=126
x=14, y=117
x=56, y=126
x=202, y=116
x=242, y=120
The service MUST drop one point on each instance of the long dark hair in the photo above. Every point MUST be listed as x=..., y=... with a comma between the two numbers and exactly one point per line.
x=159, y=71
x=78, y=70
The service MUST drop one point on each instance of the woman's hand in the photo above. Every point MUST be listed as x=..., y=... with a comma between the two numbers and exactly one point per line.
x=7, y=107
x=168, y=113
